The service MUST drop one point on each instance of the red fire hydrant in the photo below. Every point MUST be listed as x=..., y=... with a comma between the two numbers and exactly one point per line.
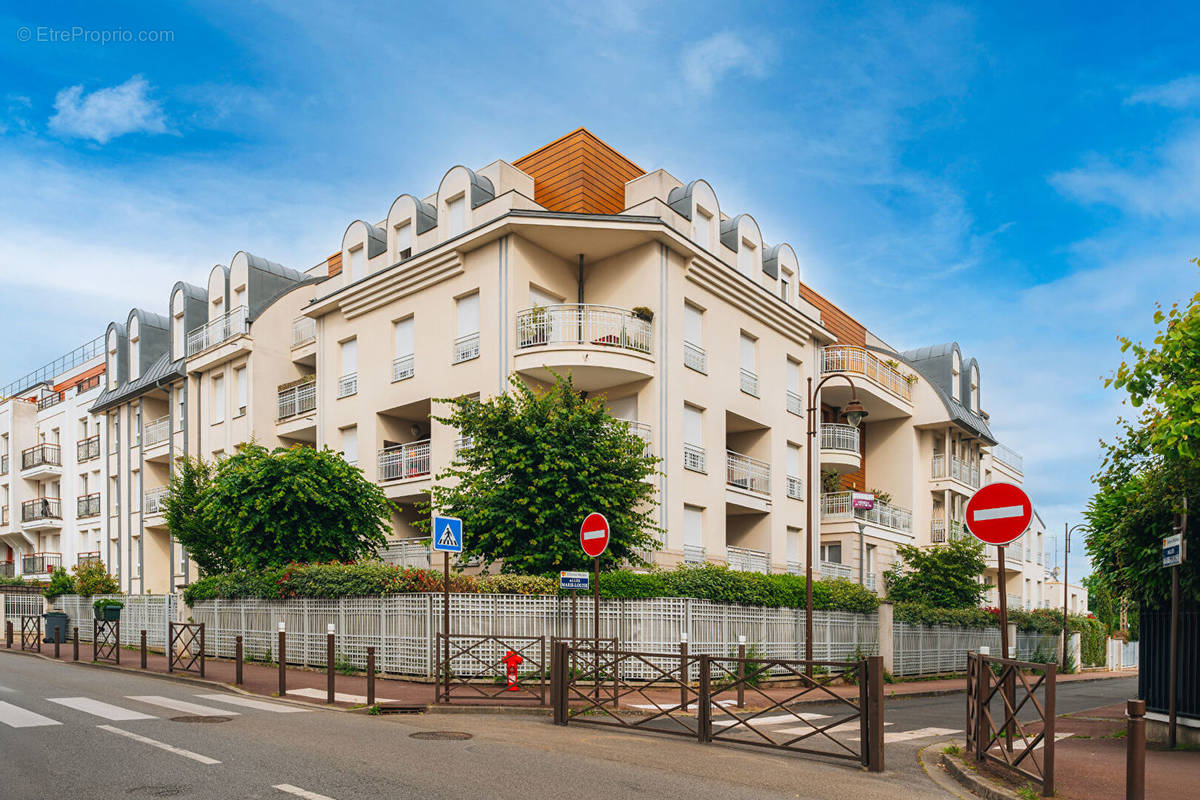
x=511, y=662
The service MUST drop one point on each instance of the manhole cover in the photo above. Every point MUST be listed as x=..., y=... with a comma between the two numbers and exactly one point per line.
x=440, y=735
x=201, y=719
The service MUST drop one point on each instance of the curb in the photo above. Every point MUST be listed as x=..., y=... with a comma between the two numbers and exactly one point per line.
x=930, y=759
x=972, y=782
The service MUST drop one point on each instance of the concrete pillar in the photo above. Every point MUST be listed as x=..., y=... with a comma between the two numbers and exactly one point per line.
x=1076, y=645
x=886, y=640
x=1012, y=640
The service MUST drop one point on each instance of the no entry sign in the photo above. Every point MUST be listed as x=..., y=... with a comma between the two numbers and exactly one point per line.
x=593, y=534
x=999, y=513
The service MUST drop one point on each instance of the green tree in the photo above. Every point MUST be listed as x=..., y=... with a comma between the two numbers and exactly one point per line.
x=91, y=577
x=262, y=508
x=204, y=544
x=541, y=460
x=1151, y=465
x=60, y=584
x=946, y=576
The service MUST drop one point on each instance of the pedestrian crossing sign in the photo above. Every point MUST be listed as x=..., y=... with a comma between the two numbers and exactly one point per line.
x=447, y=534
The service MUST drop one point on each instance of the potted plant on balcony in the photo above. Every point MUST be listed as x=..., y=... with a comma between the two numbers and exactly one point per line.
x=107, y=609
x=533, y=329
x=641, y=312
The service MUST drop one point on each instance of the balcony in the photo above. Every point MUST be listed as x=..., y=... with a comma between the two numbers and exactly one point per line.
x=304, y=331
x=462, y=444
x=836, y=506
x=795, y=404
x=404, y=461
x=3, y=516
x=7, y=569
x=693, y=458
x=832, y=569
x=466, y=348
x=156, y=431
x=885, y=392
x=748, y=382
x=41, y=512
x=795, y=487
x=292, y=401
x=840, y=447
x=41, y=459
x=746, y=473
x=50, y=400
x=4, y=464
x=90, y=557
x=794, y=568
x=693, y=554
x=403, y=368
x=228, y=326
x=937, y=530
x=88, y=449
x=960, y=470
x=88, y=505
x=695, y=358
x=869, y=581
x=40, y=563
x=601, y=346
x=744, y=559
x=1008, y=457
x=153, y=501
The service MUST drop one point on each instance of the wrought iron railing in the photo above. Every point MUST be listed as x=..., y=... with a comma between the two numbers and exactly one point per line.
x=152, y=500
x=88, y=505
x=228, y=325
x=693, y=457
x=860, y=361
x=88, y=449
x=156, y=431
x=466, y=348
x=836, y=436
x=838, y=505
x=52, y=399
x=39, y=455
x=403, y=367
x=8, y=569
x=402, y=461
x=40, y=563
x=747, y=473
x=90, y=557
x=41, y=508
x=295, y=400
x=748, y=381
x=304, y=330
x=694, y=357
x=743, y=559
x=960, y=470
x=574, y=323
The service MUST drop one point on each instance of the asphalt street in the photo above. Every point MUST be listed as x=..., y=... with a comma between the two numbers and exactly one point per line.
x=75, y=731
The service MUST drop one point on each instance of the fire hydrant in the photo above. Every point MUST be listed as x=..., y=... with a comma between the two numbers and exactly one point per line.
x=511, y=662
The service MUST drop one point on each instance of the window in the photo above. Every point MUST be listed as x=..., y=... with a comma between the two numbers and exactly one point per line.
x=179, y=417
x=785, y=286
x=348, y=382
x=239, y=297
x=402, y=362
x=702, y=228
x=749, y=376
x=456, y=216
x=870, y=565
x=693, y=439
x=747, y=258
x=795, y=404
x=832, y=553
x=218, y=398
x=240, y=386
x=134, y=350
x=693, y=533
x=404, y=241
x=466, y=346
x=975, y=388
x=694, y=356
x=356, y=264
x=956, y=377
x=794, y=484
x=177, y=336
x=110, y=366
x=792, y=548
x=350, y=444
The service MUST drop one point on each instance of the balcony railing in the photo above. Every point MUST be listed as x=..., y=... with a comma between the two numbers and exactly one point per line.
x=40, y=563
x=228, y=325
x=744, y=559
x=747, y=473
x=794, y=568
x=296, y=400
x=573, y=323
x=403, y=461
x=50, y=400
x=49, y=455
x=869, y=581
x=88, y=449
x=1006, y=455
x=960, y=470
x=465, y=348
x=90, y=557
x=837, y=506
x=4, y=516
x=693, y=457
x=795, y=405
x=937, y=530
x=836, y=436
x=348, y=385
x=156, y=431
x=152, y=500
x=795, y=487
x=860, y=361
x=462, y=444
x=87, y=385
x=832, y=569
x=638, y=429
x=7, y=569
x=748, y=382
x=88, y=505
x=403, y=368
x=304, y=330
x=695, y=358
x=693, y=554
x=4, y=464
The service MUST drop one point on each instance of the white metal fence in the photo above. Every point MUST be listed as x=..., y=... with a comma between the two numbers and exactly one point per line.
x=20, y=605
x=933, y=649
x=144, y=612
x=1129, y=655
x=1038, y=646
x=571, y=323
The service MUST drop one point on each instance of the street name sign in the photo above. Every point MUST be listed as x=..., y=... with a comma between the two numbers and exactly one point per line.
x=999, y=513
x=447, y=535
x=1174, y=551
x=593, y=534
x=572, y=580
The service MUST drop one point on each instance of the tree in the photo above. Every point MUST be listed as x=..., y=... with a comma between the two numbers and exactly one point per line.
x=60, y=584
x=204, y=544
x=91, y=577
x=261, y=508
x=539, y=462
x=1151, y=465
x=946, y=576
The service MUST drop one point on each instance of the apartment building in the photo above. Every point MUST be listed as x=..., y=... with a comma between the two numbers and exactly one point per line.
x=690, y=324
x=51, y=490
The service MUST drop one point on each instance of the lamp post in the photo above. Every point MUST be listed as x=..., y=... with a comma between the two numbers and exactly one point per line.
x=853, y=414
x=1066, y=588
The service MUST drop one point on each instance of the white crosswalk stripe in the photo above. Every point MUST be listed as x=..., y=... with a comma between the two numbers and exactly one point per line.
x=17, y=717
x=895, y=737
x=99, y=709
x=247, y=702
x=1019, y=744
x=192, y=709
x=771, y=719
x=320, y=694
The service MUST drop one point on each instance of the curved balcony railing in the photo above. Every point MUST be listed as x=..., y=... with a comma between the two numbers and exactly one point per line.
x=836, y=436
x=837, y=506
x=233, y=323
x=573, y=323
x=860, y=361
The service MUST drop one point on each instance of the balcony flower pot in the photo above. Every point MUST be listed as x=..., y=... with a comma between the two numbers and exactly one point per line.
x=643, y=313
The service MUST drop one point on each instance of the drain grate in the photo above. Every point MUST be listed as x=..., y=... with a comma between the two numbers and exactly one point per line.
x=201, y=719
x=440, y=736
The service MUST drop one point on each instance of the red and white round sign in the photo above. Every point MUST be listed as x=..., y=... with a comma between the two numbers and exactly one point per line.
x=999, y=513
x=593, y=534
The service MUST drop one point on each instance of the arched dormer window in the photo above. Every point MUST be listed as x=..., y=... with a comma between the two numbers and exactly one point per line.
x=975, y=388
x=134, y=350
x=110, y=365
x=956, y=376
x=177, y=332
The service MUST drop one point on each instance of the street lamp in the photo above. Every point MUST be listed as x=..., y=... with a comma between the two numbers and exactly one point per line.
x=1066, y=558
x=853, y=414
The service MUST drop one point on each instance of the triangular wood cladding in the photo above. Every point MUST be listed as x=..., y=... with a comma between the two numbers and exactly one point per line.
x=579, y=173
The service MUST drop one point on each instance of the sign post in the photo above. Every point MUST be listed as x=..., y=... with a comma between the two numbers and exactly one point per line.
x=998, y=514
x=447, y=539
x=1174, y=551
x=573, y=581
x=593, y=537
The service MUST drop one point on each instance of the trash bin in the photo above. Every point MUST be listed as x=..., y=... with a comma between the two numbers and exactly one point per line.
x=56, y=626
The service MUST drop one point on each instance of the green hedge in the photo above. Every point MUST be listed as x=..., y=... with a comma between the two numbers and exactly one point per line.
x=372, y=578
x=1043, y=620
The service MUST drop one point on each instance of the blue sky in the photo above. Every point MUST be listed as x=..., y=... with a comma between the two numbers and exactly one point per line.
x=1019, y=177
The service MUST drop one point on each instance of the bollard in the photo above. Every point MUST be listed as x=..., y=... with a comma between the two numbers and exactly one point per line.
x=875, y=713
x=282, y=661
x=75, y=643
x=8, y=636
x=330, y=695
x=683, y=672
x=370, y=676
x=202, y=643
x=237, y=660
x=1135, y=750
x=144, y=651
x=741, y=672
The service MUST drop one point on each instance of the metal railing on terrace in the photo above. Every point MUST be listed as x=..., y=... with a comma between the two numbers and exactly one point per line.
x=39, y=455
x=837, y=436
x=47, y=372
x=304, y=330
x=403, y=367
x=40, y=563
x=837, y=506
x=574, y=323
x=465, y=348
x=90, y=557
x=960, y=470
x=831, y=569
x=295, y=400
x=744, y=472
x=743, y=559
x=860, y=361
x=1006, y=455
x=152, y=500
x=88, y=449
x=230, y=324
x=403, y=461
x=156, y=431
x=694, y=357
x=88, y=505
x=52, y=399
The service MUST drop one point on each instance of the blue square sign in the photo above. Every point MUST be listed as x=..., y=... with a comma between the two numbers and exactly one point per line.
x=447, y=534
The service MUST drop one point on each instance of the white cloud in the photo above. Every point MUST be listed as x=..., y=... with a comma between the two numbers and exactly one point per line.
x=1179, y=93
x=706, y=62
x=107, y=113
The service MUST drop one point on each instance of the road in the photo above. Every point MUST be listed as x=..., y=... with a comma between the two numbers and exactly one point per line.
x=75, y=731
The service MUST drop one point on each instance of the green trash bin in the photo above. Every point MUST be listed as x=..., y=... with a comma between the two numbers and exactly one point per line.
x=56, y=626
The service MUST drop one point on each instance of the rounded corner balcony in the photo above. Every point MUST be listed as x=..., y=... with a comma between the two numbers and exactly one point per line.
x=601, y=346
x=884, y=390
x=840, y=447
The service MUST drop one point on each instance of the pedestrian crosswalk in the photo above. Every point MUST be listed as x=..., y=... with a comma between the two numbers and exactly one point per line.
x=29, y=712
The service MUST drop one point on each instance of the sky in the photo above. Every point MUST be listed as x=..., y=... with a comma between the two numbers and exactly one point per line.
x=1022, y=178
